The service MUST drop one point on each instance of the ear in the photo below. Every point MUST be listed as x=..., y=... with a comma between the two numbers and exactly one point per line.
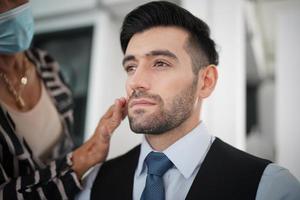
x=207, y=80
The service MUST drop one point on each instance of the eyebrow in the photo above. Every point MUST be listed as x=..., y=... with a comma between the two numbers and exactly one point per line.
x=166, y=53
x=128, y=58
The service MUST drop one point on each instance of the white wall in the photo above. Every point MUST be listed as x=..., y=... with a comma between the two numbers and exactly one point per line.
x=287, y=90
x=50, y=8
x=224, y=111
x=56, y=15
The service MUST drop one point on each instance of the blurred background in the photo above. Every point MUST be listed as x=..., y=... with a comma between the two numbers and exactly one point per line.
x=256, y=103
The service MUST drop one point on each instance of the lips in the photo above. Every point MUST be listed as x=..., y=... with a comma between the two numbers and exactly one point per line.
x=141, y=102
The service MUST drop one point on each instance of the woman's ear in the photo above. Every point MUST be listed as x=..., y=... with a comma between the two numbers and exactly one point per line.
x=207, y=80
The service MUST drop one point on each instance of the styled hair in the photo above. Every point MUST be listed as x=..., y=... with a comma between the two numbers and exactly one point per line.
x=200, y=46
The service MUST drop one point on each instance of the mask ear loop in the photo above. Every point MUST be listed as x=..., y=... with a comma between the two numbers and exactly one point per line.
x=14, y=12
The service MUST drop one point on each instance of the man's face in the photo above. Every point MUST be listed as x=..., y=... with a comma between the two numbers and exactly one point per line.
x=6, y=5
x=160, y=83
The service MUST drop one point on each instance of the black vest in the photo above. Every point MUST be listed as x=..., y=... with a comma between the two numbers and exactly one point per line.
x=225, y=174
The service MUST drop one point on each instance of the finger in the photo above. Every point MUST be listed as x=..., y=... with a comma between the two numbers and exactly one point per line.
x=112, y=118
x=123, y=102
x=125, y=110
x=126, y=107
x=118, y=102
x=119, y=108
x=109, y=112
x=124, y=113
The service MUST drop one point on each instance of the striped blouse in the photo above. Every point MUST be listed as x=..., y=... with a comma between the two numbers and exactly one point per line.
x=24, y=176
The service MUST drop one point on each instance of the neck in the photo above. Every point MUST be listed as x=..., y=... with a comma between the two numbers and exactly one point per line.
x=9, y=64
x=163, y=141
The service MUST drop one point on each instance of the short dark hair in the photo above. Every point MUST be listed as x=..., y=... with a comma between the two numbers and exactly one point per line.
x=200, y=46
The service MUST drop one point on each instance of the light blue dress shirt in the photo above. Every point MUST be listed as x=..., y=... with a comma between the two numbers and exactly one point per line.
x=187, y=154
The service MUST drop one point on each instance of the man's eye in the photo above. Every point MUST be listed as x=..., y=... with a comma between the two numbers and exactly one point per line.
x=130, y=68
x=161, y=64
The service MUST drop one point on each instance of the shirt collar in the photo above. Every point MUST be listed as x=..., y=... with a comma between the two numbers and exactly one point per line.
x=186, y=154
x=145, y=150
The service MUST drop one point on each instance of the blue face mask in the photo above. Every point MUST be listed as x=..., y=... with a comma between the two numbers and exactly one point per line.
x=16, y=29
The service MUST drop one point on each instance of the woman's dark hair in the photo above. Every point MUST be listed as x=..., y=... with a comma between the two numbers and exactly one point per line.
x=162, y=13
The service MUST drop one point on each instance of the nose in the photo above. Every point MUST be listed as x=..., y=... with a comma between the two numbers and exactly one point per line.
x=140, y=80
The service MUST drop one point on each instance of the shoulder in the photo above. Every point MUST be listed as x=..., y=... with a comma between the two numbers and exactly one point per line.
x=130, y=156
x=116, y=173
x=42, y=60
x=49, y=71
x=39, y=54
x=237, y=157
x=278, y=183
x=229, y=167
x=116, y=168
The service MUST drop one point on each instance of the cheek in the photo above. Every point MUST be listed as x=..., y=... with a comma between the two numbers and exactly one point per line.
x=168, y=91
x=171, y=86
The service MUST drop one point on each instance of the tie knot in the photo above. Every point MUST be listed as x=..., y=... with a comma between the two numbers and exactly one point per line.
x=157, y=163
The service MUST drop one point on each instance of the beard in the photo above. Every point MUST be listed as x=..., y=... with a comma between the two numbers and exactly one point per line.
x=166, y=117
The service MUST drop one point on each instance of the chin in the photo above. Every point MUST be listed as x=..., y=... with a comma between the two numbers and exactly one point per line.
x=148, y=126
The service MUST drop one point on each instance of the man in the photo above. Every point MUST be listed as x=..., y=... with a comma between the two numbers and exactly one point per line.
x=170, y=61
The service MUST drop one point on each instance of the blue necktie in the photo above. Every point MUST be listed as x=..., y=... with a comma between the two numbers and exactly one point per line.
x=158, y=164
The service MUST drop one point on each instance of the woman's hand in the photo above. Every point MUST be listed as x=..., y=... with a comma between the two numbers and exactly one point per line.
x=95, y=150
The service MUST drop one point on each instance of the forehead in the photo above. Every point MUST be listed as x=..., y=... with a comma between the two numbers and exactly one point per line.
x=6, y=5
x=169, y=38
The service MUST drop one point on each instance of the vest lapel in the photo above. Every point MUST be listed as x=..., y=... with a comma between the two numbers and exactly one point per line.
x=205, y=183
